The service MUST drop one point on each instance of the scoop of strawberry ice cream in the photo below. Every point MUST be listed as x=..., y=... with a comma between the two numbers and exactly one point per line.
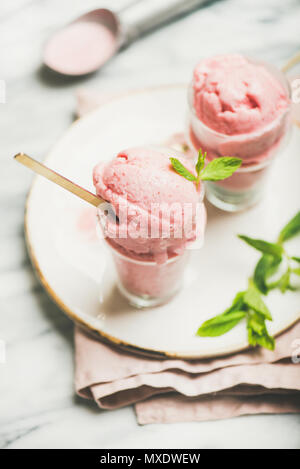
x=157, y=210
x=235, y=96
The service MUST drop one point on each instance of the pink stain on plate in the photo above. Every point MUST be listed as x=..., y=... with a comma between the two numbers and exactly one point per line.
x=86, y=223
x=80, y=48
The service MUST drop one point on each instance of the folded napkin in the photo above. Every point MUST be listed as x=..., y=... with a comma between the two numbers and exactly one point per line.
x=172, y=390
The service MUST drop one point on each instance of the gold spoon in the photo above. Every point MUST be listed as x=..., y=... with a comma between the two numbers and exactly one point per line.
x=53, y=176
x=291, y=62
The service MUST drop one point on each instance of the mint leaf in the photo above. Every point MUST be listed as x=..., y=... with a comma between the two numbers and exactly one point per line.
x=297, y=259
x=254, y=300
x=249, y=304
x=291, y=229
x=237, y=303
x=256, y=323
x=258, y=333
x=220, y=168
x=293, y=288
x=216, y=170
x=263, y=246
x=221, y=324
x=284, y=282
x=251, y=337
x=200, y=161
x=266, y=341
x=182, y=170
x=266, y=266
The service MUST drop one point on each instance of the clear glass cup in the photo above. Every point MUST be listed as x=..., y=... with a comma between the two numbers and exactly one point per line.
x=146, y=283
x=257, y=149
x=143, y=280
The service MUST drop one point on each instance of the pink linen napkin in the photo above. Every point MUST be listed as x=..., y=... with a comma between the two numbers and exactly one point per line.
x=172, y=390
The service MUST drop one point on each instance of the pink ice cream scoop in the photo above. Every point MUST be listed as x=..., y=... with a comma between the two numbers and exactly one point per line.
x=155, y=214
x=157, y=209
x=238, y=107
x=234, y=96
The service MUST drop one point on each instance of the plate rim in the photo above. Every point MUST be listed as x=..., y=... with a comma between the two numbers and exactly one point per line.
x=85, y=325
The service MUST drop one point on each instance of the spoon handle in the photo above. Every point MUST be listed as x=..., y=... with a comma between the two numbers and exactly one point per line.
x=291, y=62
x=53, y=176
x=151, y=15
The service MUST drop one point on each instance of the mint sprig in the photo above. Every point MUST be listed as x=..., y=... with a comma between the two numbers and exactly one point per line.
x=258, y=333
x=221, y=324
x=254, y=301
x=246, y=305
x=249, y=304
x=220, y=168
x=216, y=170
x=274, y=259
x=264, y=246
x=291, y=229
x=295, y=258
x=265, y=268
x=182, y=170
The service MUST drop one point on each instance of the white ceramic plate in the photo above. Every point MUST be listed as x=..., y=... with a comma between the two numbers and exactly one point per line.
x=75, y=268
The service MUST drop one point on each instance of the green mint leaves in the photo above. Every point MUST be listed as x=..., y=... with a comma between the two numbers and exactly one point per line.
x=182, y=170
x=220, y=168
x=258, y=333
x=274, y=258
x=249, y=304
x=254, y=301
x=263, y=246
x=220, y=324
x=216, y=170
x=265, y=268
x=291, y=229
x=246, y=305
x=200, y=162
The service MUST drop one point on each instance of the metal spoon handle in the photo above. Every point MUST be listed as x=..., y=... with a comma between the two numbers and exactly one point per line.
x=152, y=14
x=53, y=176
x=291, y=62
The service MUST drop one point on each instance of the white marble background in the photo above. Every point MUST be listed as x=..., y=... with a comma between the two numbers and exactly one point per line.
x=38, y=407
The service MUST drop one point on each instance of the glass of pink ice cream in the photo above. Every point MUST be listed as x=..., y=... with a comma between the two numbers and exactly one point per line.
x=153, y=217
x=238, y=107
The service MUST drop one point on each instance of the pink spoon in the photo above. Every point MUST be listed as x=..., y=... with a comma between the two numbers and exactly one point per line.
x=91, y=40
x=84, y=45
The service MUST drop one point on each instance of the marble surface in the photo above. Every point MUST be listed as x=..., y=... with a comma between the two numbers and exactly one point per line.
x=38, y=407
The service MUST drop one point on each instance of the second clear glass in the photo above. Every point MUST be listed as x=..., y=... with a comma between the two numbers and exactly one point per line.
x=257, y=149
